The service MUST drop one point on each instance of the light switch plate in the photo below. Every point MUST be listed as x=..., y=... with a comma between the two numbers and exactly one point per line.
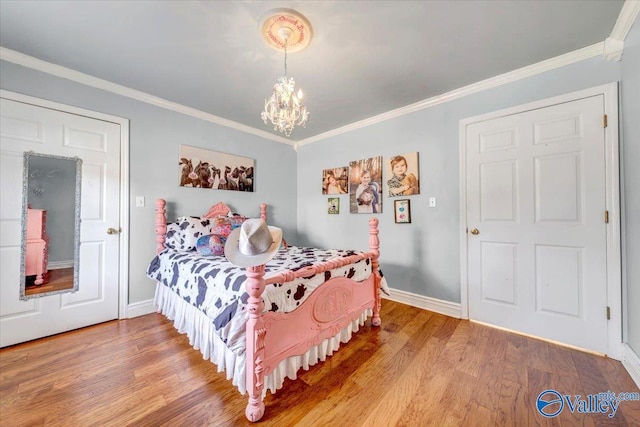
x=432, y=202
x=139, y=201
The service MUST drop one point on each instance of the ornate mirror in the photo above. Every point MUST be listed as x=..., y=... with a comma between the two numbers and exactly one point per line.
x=50, y=225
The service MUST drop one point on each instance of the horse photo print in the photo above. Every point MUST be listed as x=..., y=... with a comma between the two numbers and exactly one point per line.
x=200, y=168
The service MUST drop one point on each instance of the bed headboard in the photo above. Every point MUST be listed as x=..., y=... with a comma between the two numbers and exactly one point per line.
x=219, y=209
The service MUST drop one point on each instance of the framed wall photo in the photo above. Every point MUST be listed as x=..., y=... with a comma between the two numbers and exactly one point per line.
x=333, y=205
x=200, y=168
x=365, y=185
x=403, y=175
x=402, y=210
x=335, y=181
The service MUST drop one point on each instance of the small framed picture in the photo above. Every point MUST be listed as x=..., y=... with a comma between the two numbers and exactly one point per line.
x=402, y=209
x=333, y=205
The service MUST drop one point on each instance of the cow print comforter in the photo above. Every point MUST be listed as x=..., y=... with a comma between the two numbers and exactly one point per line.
x=216, y=287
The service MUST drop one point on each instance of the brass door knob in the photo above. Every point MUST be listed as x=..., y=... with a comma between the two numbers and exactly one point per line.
x=114, y=231
x=475, y=231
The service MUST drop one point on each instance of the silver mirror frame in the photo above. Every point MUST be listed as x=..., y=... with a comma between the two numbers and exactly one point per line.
x=76, y=239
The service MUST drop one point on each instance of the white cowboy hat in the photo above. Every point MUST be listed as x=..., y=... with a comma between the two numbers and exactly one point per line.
x=253, y=243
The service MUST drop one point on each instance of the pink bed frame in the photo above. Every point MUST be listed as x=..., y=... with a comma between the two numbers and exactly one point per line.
x=273, y=337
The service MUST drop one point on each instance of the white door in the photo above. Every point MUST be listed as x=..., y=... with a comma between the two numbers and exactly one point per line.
x=536, y=197
x=26, y=127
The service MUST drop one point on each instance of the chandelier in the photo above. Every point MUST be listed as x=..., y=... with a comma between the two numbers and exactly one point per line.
x=285, y=109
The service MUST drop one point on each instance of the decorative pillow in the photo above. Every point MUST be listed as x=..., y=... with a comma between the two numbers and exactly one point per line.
x=236, y=221
x=211, y=244
x=223, y=225
x=183, y=234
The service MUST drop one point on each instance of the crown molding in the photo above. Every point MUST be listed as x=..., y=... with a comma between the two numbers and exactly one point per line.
x=614, y=44
x=512, y=76
x=626, y=18
x=88, y=80
x=611, y=49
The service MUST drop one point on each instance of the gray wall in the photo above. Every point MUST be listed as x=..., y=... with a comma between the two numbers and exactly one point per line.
x=630, y=159
x=155, y=136
x=423, y=257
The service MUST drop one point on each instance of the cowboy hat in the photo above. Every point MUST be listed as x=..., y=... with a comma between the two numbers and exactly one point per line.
x=253, y=243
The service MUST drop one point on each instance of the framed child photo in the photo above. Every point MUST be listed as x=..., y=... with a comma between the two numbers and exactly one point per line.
x=333, y=205
x=365, y=185
x=402, y=209
x=335, y=181
x=402, y=173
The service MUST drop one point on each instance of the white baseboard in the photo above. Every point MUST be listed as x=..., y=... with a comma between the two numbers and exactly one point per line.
x=56, y=265
x=631, y=362
x=432, y=304
x=447, y=308
x=140, y=309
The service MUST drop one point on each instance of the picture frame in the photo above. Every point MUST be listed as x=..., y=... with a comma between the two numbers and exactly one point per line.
x=402, y=211
x=365, y=185
x=403, y=175
x=335, y=181
x=333, y=205
x=214, y=170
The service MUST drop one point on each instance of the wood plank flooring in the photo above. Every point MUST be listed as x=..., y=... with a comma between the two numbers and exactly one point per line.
x=56, y=280
x=418, y=369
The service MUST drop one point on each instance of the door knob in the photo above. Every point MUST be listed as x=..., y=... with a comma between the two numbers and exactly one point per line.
x=475, y=231
x=113, y=230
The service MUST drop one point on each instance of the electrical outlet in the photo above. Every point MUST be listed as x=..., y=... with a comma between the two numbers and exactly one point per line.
x=139, y=201
x=432, y=202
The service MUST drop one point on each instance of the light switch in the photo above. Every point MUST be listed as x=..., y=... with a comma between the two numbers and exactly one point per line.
x=432, y=202
x=139, y=201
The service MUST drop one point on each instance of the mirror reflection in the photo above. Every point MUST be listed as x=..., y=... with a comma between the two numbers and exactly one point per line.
x=50, y=224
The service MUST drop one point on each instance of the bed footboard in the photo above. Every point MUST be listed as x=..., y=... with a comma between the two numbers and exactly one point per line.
x=273, y=337
x=255, y=343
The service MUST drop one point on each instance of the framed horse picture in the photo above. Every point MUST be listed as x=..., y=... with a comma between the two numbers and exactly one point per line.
x=200, y=168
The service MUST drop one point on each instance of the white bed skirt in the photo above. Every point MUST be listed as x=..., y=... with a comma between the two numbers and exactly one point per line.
x=199, y=328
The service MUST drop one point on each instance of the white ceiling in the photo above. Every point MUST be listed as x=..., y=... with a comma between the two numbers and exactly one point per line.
x=366, y=57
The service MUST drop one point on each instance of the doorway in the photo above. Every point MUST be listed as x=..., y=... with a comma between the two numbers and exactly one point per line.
x=97, y=141
x=540, y=219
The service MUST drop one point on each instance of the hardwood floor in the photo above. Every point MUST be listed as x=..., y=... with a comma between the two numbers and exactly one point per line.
x=420, y=368
x=57, y=280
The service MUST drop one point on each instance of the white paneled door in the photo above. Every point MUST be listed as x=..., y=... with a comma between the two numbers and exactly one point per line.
x=26, y=127
x=536, y=239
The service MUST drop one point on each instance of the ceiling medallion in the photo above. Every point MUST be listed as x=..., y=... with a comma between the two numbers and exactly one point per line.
x=294, y=22
x=288, y=31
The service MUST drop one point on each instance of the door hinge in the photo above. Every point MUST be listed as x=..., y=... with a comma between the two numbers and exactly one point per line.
x=606, y=217
x=604, y=121
x=608, y=313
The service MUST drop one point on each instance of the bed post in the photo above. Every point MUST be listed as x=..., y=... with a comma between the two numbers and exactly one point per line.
x=161, y=224
x=255, y=331
x=374, y=245
x=263, y=211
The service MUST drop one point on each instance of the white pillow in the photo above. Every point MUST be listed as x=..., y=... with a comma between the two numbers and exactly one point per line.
x=183, y=234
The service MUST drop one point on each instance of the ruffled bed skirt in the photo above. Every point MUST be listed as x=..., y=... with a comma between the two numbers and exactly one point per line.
x=199, y=328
